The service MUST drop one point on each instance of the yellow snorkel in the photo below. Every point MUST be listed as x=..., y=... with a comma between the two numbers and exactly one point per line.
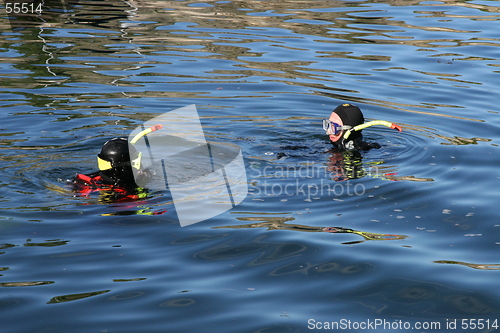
x=146, y=132
x=371, y=123
x=136, y=163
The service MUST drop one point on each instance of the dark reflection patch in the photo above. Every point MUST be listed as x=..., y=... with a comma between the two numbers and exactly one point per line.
x=129, y=295
x=178, y=303
x=75, y=297
x=269, y=251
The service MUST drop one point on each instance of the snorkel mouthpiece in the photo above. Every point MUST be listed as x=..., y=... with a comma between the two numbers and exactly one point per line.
x=394, y=126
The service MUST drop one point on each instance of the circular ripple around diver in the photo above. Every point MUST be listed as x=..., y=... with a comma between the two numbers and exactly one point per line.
x=403, y=148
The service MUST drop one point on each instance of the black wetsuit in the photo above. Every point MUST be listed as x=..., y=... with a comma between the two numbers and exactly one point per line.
x=355, y=145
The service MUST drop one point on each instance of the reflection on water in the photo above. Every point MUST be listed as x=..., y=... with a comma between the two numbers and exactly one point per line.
x=129, y=280
x=25, y=284
x=279, y=223
x=471, y=265
x=55, y=242
x=75, y=297
x=346, y=165
x=349, y=165
x=261, y=40
x=465, y=141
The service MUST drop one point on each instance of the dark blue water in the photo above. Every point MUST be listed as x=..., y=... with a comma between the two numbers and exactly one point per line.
x=407, y=235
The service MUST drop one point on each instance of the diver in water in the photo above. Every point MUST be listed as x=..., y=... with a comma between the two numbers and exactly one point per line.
x=119, y=171
x=115, y=178
x=345, y=125
x=344, y=131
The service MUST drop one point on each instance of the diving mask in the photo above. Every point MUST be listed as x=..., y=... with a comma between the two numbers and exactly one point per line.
x=332, y=128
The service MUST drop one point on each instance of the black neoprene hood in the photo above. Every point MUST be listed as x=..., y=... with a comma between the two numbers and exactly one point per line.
x=350, y=114
x=115, y=151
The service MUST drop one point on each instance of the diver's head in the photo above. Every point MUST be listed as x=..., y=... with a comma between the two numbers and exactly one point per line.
x=344, y=117
x=116, y=161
